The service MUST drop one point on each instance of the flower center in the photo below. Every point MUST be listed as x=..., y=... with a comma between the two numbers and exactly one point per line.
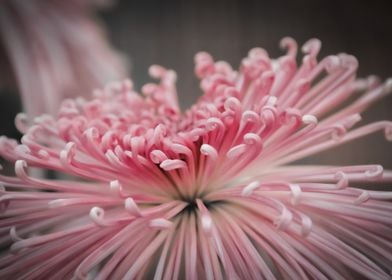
x=194, y=205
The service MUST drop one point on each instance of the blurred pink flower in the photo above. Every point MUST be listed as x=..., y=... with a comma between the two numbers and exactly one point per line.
x=56, y=50
x=205, y=194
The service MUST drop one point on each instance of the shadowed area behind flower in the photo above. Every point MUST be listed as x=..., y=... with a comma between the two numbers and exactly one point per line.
x=209, y=193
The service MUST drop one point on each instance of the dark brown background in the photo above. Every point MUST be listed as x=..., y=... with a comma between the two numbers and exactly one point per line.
x=171, y=32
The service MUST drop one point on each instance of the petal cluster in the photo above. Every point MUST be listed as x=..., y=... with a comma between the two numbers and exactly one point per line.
x=148, y=191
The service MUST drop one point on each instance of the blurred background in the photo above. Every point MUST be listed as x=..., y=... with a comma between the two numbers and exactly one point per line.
x=171, y=32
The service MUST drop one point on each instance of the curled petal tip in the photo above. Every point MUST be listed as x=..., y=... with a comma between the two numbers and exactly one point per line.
x=209, y=150
x=160, y=223
x=22, y=122
x=20, y=169
x=306, y=227
x=156, y=71
x=248, y=189
x=365, y=196
x=332, y=63
x=290, y=44
x=388, y=85
x=172, y=164
x=236, y=151
x=206, y=223
x=309, y=119
x=97, y=214
x=312, y=47
x=157, y=156
x=295, y=193
x=132, y=208
x=374, y=172
x=388, y=131
x=14, y=235
x=338, y=132
x=342, y=179
x=250, y=116
x=116, y=187
x=68, y=153
x=284, y=220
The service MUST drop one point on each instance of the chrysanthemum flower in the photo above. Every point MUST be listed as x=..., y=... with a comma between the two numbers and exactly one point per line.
x=206, y=194
x=56, y=51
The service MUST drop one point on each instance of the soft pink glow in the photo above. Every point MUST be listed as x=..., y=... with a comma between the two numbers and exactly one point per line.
x=208, y=193
x=56, y=50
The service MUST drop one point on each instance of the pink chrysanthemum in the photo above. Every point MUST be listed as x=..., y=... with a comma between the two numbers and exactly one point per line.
x=205, y=194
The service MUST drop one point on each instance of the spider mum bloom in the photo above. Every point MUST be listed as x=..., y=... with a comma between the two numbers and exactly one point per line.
x=209, y=193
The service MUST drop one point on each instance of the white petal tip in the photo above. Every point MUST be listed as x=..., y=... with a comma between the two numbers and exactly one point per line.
x=248, y=189
x=160, y=223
